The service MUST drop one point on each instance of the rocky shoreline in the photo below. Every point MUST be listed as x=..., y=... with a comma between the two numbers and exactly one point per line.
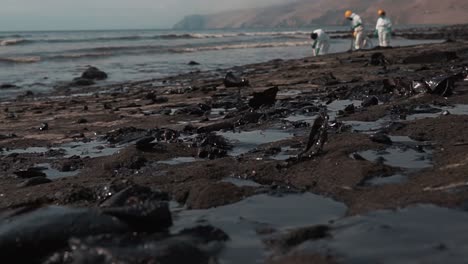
x=313, y=160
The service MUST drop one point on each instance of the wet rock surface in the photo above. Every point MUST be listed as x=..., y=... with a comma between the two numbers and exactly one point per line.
x=91, y=175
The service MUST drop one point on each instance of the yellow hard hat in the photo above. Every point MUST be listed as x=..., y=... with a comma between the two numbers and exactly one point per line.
x=381, y=12
x=348, y=13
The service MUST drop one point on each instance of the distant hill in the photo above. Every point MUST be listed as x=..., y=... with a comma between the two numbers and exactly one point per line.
x=330, y=12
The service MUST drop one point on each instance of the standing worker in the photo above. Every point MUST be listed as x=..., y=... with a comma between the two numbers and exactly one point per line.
x=321, y=42
x=383, y=29
x=357, y=28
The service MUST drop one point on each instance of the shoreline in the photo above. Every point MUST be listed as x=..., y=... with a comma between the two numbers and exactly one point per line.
x=152, y=133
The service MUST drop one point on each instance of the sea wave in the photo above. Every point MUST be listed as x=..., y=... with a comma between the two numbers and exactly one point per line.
x=241, y=46
x=24, y=41
x=10, y=42
x=28, y=59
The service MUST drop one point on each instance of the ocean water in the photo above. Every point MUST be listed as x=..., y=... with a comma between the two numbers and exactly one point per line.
x=38, y=61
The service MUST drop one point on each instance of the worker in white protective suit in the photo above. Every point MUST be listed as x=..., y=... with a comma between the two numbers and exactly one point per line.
x=321, y=42
x=357, y=29
x=383, y=29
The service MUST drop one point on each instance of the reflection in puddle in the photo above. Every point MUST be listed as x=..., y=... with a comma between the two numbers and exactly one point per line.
x=241, y=182
x=240, y=220
x=394, y=179
x=178, y=160
x=246, y=141
x=91, y=149
x=286, y=153
x=407, y=158
x=458, y=109
x=419, y=234
x=52, y=173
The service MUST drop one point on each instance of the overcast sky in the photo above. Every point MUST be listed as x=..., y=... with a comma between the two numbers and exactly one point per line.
x=108, y=14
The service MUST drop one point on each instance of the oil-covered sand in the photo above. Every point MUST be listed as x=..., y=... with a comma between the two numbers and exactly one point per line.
x=389, y=186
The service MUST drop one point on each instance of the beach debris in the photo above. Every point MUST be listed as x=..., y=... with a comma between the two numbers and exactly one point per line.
x=93, y=73
x=431, y=57
x=317, y=137
x=232, y=80
x=44, y=126
x=212, y=146
x=441, y=85
x=370, y=101
x=265, y=98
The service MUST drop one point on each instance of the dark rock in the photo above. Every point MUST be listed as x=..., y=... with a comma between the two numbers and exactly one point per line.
x=93, y=73
x=82, y=82
x=265, y=98
x=350, y=109
x=145, y=144
x=30, y=173
x=381, y=138
x=378, y=59
x=193, y=63
x=39, y=232
x=82, y=121
x=34, y=181
x=431, y=57
x=7, y=86
x=370, y=101
x=212, y=146
x=232, y=80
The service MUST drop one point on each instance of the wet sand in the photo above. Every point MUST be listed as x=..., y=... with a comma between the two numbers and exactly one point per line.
x=408, y=151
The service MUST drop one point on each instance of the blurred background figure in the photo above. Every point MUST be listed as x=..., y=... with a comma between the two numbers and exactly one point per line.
x=357, y=29
x=321, y=42
x=383, y=29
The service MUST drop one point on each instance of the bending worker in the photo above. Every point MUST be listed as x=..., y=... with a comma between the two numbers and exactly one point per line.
x=358, y=29
x=321, y=42
x=383, y=29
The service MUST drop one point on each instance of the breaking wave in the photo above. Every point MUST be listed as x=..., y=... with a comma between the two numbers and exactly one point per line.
x=10, y=42
x=29, y=59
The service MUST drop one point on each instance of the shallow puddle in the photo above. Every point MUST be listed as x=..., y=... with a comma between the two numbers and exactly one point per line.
x=419, y=234
x=92, y=149
x=394, y=179
x=458, y=109
x=178, y=160
x=246, y=141
x=53, y=174
x=400, y=157
x=286, y=153
x=241, y=220
x=239, y=182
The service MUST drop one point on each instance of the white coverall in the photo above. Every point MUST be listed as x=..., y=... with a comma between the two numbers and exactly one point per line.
x=384, y=29
x=321, y=45
x=359, y=36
